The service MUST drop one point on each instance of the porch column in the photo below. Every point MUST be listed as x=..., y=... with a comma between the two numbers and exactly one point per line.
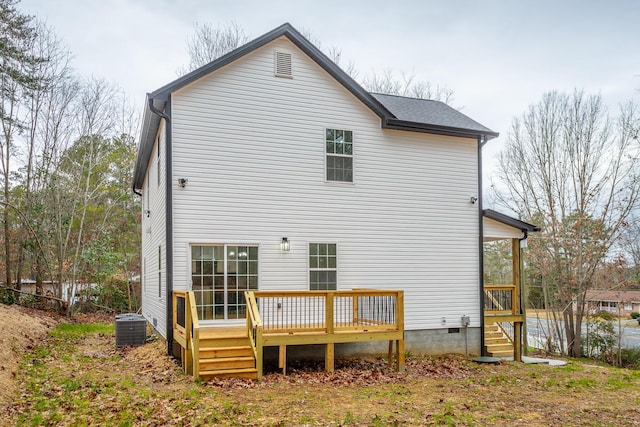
x=515, y=303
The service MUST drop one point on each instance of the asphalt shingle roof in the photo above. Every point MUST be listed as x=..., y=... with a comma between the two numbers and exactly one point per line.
x=428, y=111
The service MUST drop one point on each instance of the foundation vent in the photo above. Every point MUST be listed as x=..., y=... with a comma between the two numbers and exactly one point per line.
x=283, y=64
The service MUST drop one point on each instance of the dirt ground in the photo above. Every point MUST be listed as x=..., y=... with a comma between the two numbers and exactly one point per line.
x=20, y=330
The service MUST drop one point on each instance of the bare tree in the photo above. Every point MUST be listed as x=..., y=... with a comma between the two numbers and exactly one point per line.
x=210, y=42
x=570, y=168
x=407, y=85
x=16, y=37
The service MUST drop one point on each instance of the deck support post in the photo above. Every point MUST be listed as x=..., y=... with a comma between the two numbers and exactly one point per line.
x=329, y=361
x=187, y=361
x=400, y=355
x=517, y=341
x=282, y=359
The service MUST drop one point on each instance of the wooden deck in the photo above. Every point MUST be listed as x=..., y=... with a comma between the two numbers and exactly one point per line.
x=283, y=318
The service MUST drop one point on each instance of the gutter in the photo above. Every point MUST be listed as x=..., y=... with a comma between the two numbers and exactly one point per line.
x=168, y=219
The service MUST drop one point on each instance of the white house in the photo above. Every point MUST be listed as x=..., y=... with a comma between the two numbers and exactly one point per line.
x=270, y=168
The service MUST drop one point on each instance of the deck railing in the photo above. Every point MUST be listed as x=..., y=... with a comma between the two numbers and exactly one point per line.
x=254, y=328
x=281, y=318
x=328, y=311
x=187, y=329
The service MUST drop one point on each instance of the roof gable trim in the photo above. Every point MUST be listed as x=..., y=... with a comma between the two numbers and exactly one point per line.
x=510, y=221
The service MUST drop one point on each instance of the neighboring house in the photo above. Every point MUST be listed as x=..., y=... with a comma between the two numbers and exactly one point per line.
x=272, y=169
x=615, y=302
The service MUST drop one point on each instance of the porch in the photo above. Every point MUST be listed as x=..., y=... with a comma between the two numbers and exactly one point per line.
x=503, y=322
x=504, y=305
x=284, y=318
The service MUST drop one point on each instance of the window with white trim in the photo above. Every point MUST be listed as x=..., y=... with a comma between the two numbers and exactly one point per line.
x=323, y=267
x=339, y=155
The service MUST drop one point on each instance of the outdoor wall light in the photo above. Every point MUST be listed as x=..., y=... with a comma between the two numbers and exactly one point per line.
x=473, y=200
x=285, y=245
x=147, y=213
x=182, y=182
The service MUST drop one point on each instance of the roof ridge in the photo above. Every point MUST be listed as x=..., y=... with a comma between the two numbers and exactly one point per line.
x=407, y=97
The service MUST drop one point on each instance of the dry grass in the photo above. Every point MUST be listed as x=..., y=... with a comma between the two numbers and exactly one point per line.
x=78, y=378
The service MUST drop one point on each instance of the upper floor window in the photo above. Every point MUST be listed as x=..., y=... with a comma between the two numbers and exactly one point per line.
x=339, y=151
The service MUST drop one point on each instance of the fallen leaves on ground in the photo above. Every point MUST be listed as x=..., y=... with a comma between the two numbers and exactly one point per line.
x=90, y=382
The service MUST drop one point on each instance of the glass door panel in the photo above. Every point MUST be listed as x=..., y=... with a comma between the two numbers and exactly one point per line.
x=219, y=281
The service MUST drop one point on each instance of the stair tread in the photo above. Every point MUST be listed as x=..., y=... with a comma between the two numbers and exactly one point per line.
x=228, y=371
x=222, y=334
x=224, y=347
x=501, y=354
x=226, y=359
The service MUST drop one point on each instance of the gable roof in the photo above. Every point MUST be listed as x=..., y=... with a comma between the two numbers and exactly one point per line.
x=395, y=112
x=510, y=221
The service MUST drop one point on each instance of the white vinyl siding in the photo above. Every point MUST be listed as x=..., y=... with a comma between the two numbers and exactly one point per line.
x=154, y=239
x=251, y=146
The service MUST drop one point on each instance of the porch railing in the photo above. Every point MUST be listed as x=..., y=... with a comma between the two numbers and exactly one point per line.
x=500, y=299
x=502, y=309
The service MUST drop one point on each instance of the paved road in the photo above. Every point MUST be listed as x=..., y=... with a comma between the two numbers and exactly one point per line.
x=537, y=330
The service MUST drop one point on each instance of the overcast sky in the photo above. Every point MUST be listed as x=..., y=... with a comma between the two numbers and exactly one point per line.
x=498, y=56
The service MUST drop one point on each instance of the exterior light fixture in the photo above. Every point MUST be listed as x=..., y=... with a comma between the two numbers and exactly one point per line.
x=182, y=182
x=285, y=245
x=473, y=200
x=147, y=213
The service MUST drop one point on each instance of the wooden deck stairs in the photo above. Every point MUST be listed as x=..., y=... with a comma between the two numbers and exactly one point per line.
x=226, y=353
x=496, y=342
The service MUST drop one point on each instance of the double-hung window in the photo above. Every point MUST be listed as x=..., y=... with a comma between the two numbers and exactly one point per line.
x=339, y=152
x=323, y=267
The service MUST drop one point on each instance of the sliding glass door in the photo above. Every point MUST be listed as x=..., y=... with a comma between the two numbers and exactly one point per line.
x=219, y=276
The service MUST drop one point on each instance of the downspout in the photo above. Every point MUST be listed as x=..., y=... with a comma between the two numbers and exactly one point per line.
x=523, y=299
x=168, y=219
x=481, y=141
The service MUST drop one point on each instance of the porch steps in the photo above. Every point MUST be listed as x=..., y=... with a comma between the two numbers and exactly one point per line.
x=496, y=342
x=226, y=353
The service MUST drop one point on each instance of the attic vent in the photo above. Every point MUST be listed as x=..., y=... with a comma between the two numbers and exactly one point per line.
x=283, y=65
